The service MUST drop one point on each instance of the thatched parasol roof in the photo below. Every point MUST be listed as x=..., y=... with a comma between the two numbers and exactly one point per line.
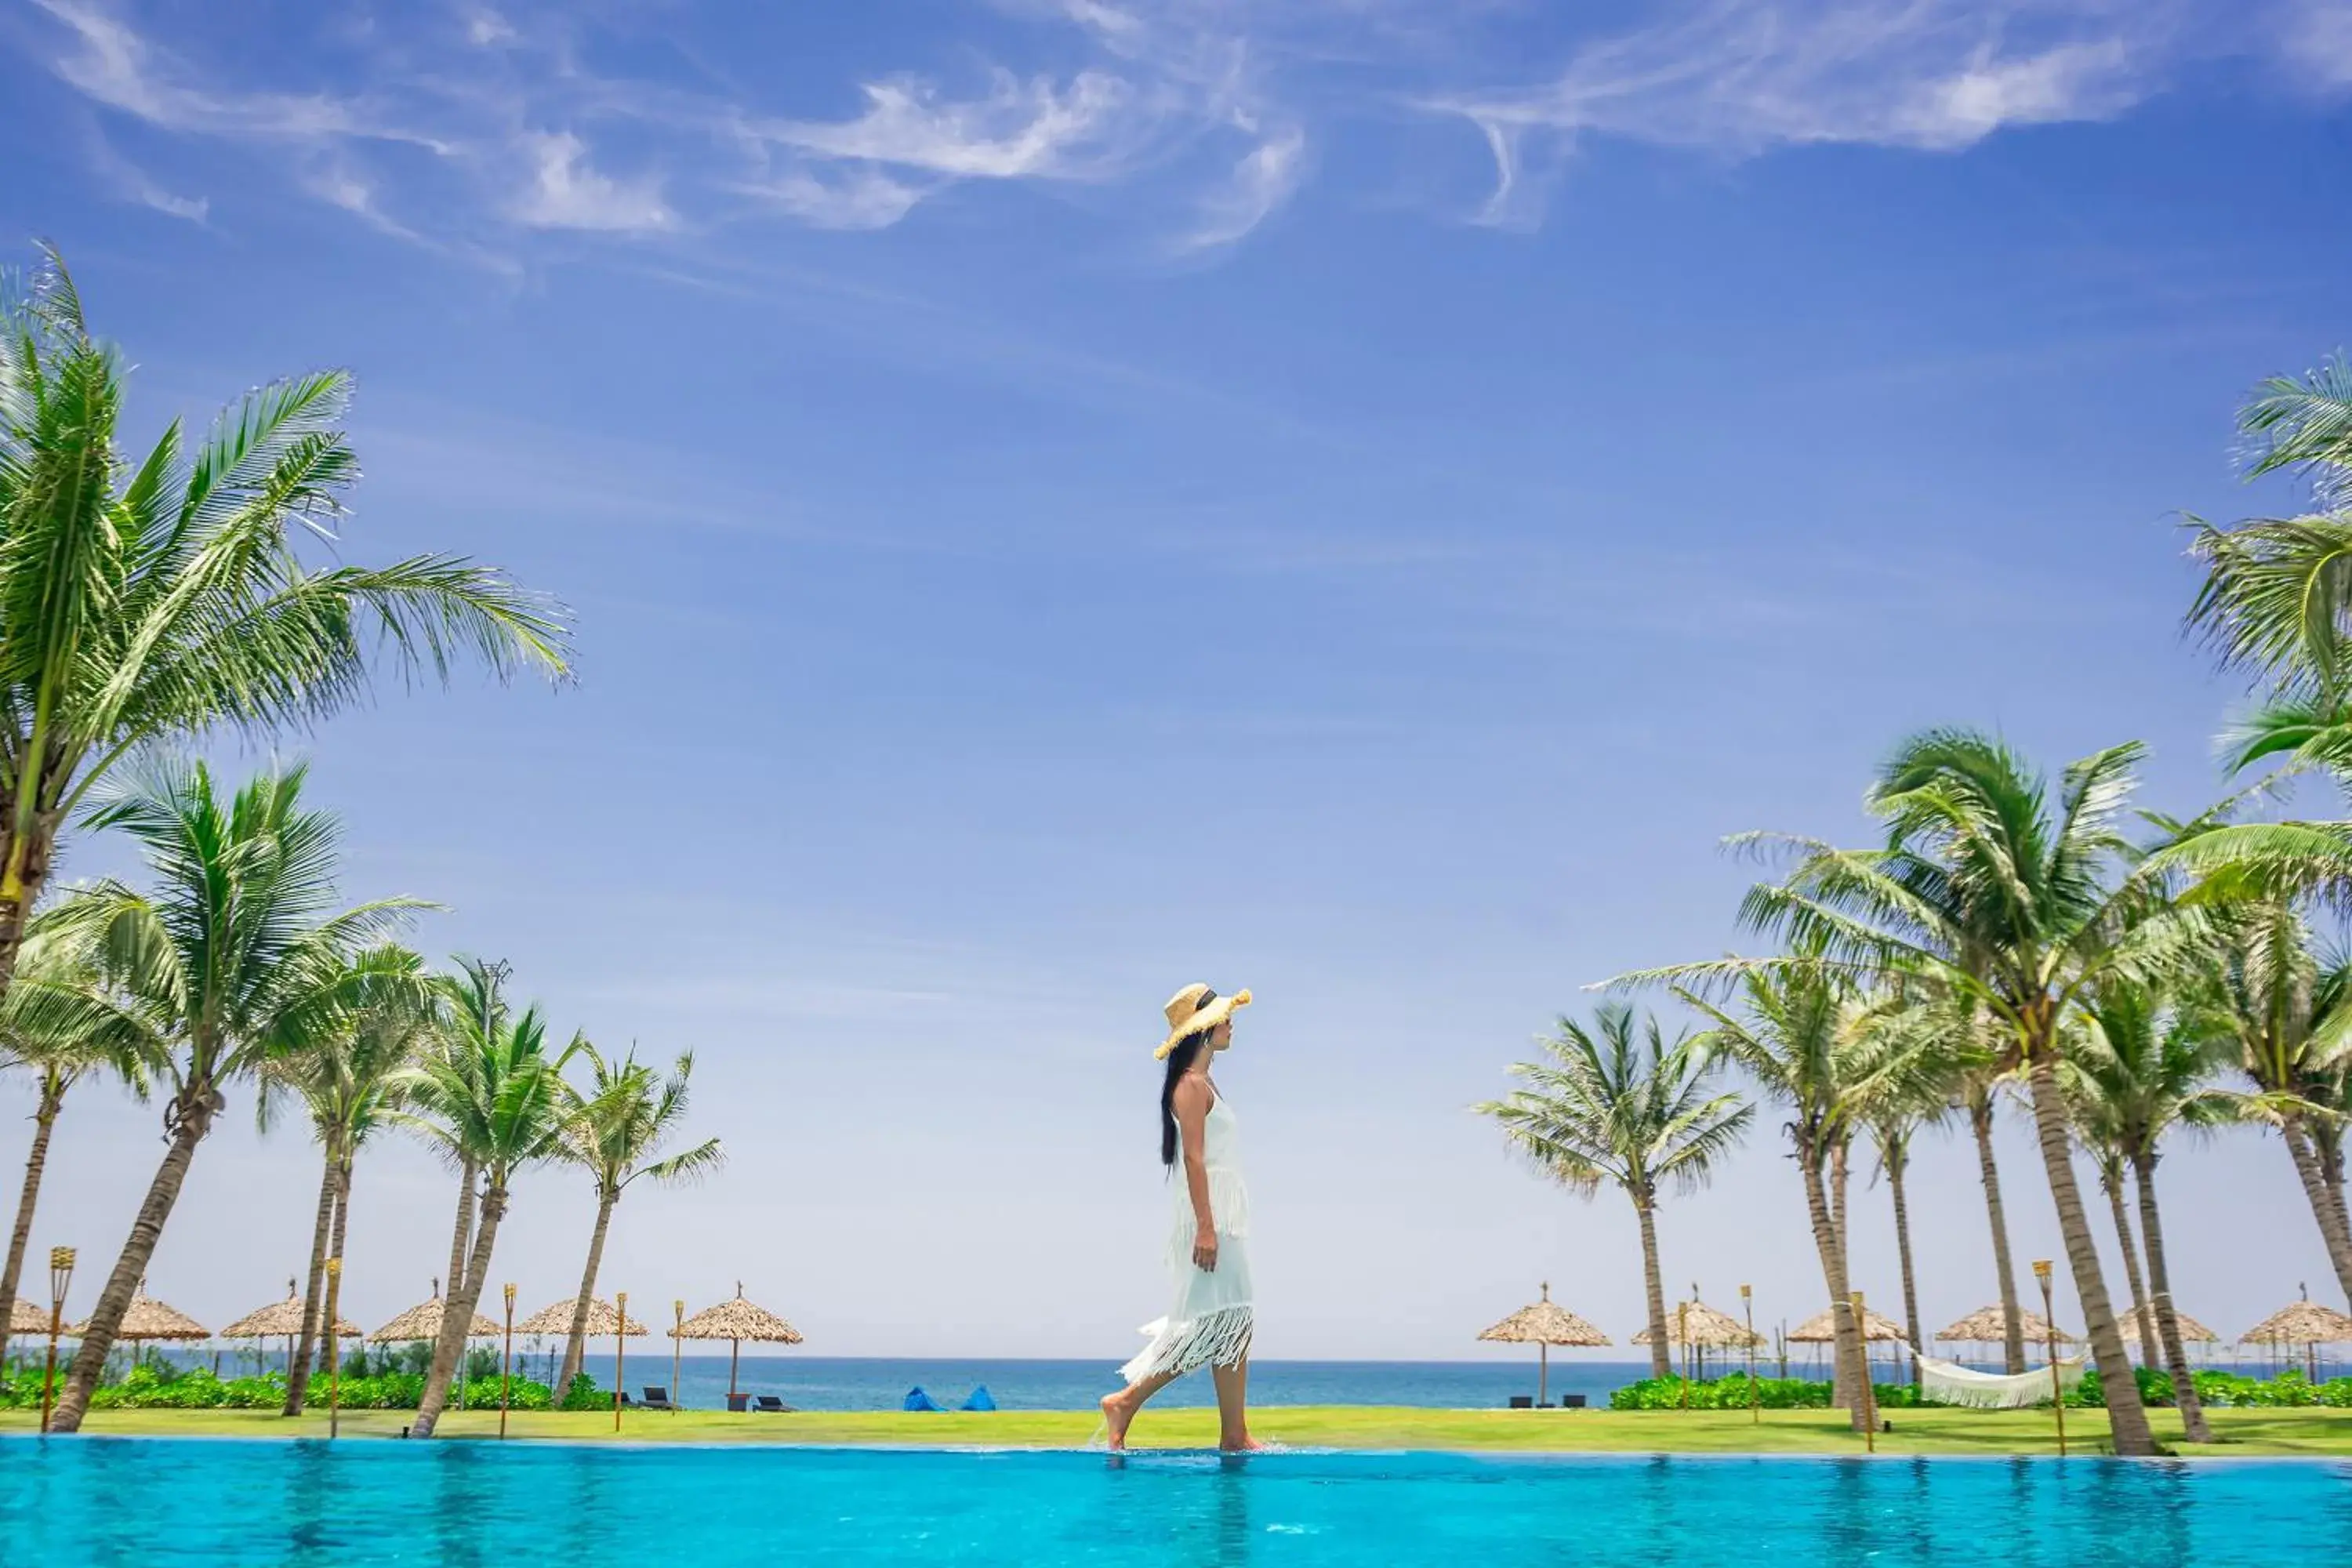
x=1545, y=1323
x=1708, y=1328
x=1820, y=1329
x=2306, y=1323
x=1983, y=1327
x=2192, y=1330
x=147, y=1319
x=423, y=1321
x=24, y=1318
x=738, y=1319
x=557, y=1319
x=283, y=1320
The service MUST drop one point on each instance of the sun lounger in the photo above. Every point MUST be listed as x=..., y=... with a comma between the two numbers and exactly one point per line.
x=657, y=1398
x=1522, y=1402
x=738, y=1403
x=770, y=1405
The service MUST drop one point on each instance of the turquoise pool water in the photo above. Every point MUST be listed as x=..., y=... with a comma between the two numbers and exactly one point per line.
x=158, y=1503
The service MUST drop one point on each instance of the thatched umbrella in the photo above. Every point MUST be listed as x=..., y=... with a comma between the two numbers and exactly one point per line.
x=2191, y=1331
x=1544, y=1325
x=24, y=1318
x=1695, y=1325
x=2304, y=1323
x=736, y=1322
x=423, y=1321
x=1820, y=1329
x=283, y=1320
x=148, y=1321
x=1984, y=1326
x=601, y=1319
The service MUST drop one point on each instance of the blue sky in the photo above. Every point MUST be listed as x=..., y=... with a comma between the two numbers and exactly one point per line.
x=1350, y=499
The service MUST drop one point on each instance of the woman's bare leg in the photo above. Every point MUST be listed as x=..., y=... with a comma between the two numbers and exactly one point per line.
x=1118, y=1409
x=1232, y=1407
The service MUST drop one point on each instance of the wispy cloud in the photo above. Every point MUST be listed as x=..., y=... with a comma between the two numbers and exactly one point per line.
x=564, y=192
x=475, y=128
x=136, y=185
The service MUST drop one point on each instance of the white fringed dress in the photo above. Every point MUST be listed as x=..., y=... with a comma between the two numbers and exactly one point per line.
x=1210, y=1324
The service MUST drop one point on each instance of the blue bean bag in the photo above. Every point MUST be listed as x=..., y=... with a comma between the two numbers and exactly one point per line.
x=918, y=1400
x=980, y=1400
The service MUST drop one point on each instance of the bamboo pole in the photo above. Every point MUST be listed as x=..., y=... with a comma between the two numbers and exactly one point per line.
x=2049, y=1320
x=61, y=1267
x=677, y=1340
x=1866, y=1394
x=506, y=1372
x=1682, y=1331
x=334, y=1350
x=1755, y=1401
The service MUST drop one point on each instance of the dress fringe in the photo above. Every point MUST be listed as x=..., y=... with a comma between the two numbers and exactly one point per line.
x=1221, y=1337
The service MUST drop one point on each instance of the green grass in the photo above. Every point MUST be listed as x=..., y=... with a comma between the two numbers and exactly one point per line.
x=2243, y=1433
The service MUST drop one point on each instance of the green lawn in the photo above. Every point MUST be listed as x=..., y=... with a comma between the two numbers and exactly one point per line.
x=2244, y=1433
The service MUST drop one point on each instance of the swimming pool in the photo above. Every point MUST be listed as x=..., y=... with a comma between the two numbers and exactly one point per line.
x=156, y=1503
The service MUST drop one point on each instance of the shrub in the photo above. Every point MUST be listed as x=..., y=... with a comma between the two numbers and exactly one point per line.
x=583, y=1395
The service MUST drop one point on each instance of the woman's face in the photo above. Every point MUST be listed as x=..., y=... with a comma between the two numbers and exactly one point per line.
x=1222, y=1036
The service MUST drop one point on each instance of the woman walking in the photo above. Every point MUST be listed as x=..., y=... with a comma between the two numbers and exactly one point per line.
x=1211, y=1321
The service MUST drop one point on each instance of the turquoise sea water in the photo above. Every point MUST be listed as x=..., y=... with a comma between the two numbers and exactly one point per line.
x=166, y=1503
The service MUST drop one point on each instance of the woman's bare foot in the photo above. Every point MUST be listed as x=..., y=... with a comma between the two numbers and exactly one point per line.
x=1248, y=1444
x=1117, y=1415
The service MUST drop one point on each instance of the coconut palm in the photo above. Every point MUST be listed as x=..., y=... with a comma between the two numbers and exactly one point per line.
x=473, y=1011
x=1832, y=1058
x=1978, y=1093
x=2095, y=1131
x=1623, y=1105
x=56, y=1024
x=613, y=1131
x=497, y=1098
x=1990, y=894
x=2149, y=1070
x=2287, y=1007
x=350, y=1082
x=161, y=599
x=1916, y=1097
x=231, y=962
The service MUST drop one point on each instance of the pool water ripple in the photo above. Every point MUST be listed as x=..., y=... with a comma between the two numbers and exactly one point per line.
x=164, y=1504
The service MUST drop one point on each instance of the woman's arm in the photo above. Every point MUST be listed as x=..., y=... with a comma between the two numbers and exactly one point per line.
x=1193, y=1101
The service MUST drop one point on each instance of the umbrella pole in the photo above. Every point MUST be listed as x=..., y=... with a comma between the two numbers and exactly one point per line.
x=734, y=1360
x=1543, y=1373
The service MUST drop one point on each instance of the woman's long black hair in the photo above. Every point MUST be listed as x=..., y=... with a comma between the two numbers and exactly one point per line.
x=1180, y=1062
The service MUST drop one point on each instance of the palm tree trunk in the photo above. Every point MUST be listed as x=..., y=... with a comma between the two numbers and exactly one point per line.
x=329, y=1346
x=2113, y=1182
x=1838, y=1185
x=1653, y=1284
x=575, y=1343
x=298, y=1363
x=2012, y=1324
x=45, y=1121
x=2160, y=1285
x=459, y=1316
x=1848, y=1350
x=2126, y=1417
x=1895, y=1167
x=461, y=1240
x=2324, y=1211
x=194, y=1111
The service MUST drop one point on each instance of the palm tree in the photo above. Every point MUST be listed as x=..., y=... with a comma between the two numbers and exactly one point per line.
x=2148, y=1069
x=1621, y=1104
x=2286, y=1008
x=1989, y=894
x=1832, y=1060
x=163, y=599
x=497, y=1098
x=2099, y=1142
x=1979, y=1090
x=613, y=1133
x=232, y=962
x=56, y=1024
x=349, y=1082
x=474, y=1011
x=1919, y=1096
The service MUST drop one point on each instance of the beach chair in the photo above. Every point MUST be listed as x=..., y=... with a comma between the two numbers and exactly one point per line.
x=657, y=1398
x=1571, y=1402
x=1522, y=1402
x=770, y=1405
x=738, y=1403
x=980, y=1400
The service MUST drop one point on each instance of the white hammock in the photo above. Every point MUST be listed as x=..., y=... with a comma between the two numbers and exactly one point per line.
x=1952, y=1384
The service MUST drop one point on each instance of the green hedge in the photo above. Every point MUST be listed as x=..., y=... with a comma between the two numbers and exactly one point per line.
x=155, y=1386
x=2215, y=1387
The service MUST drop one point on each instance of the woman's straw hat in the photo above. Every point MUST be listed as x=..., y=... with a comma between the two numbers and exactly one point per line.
x=1194, y=1009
